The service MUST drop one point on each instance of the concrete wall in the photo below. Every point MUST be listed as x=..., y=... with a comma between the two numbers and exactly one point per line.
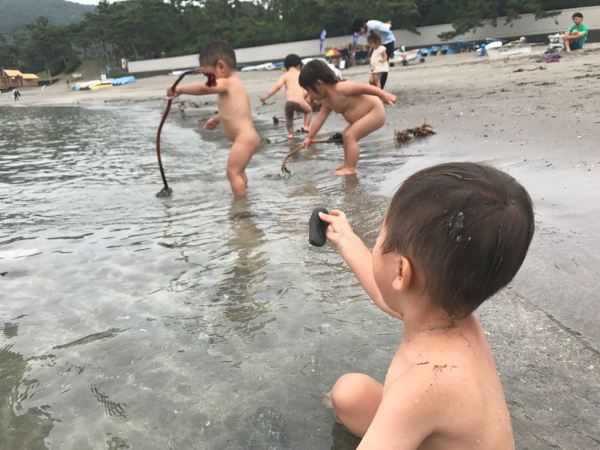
x=525, y=26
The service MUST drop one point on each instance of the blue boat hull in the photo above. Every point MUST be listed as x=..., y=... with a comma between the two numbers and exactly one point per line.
x=463, y=44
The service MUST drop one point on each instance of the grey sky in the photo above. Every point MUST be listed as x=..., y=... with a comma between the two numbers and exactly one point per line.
x=89, y=2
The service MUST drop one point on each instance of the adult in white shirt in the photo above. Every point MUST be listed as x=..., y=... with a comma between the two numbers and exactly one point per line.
x=384, y=30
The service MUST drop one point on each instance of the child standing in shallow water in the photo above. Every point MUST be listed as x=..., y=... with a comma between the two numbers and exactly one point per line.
x=454, y=235
x=234, y=115
x=378, y=65
x=294, y=94
x=358, y=103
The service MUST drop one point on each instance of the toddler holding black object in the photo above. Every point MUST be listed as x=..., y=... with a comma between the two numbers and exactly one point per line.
x=294, y=95
x=454, y=235
x=360, y=105
x=235, y=115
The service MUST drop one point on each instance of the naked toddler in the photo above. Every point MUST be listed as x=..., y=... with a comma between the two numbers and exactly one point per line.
x=234, y=115
x=454, y=235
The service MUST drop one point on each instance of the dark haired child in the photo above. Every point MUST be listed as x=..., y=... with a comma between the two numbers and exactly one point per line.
x=577, y=34
x=358, y=103
x=234, y=115
x=378, y=64
x=294, y=94
x=454, y=235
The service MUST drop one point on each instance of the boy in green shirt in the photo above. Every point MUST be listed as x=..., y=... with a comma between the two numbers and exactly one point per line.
x=577, y=34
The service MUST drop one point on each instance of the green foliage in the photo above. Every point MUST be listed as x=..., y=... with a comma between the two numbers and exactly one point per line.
x=14, y=13
x=143, y=29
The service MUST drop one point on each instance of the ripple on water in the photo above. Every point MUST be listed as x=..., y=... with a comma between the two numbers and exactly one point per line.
x=188, y=320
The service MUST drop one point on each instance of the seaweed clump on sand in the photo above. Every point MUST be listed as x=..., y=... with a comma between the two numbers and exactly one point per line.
x=423, y=130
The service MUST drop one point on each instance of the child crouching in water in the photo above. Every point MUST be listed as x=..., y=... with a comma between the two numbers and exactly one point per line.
x=294, y=94
x=234, y=115
x=358, y=103
x=378, y=64
x=453, y=236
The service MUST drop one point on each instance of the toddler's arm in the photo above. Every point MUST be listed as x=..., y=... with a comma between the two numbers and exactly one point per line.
x=316, y=125
x=274, y=89
x=211, y=124
x=199, y=88
x=413, y=406
x=348, y=88
x=356, y=254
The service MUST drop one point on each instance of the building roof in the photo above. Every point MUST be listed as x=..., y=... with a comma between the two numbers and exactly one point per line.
x=12, y=73
x=30, y=76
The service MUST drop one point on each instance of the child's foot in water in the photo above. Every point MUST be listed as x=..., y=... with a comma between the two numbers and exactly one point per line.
x=340, y=167
x=345, y=171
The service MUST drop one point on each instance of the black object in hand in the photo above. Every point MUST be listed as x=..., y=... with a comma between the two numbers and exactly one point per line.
x=317, y=227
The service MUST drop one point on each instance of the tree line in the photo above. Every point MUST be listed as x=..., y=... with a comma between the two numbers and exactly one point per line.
x=144, y=29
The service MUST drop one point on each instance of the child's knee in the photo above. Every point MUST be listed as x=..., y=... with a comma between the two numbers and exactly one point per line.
x=348, y=390
x=347, y=135
x=233, y=172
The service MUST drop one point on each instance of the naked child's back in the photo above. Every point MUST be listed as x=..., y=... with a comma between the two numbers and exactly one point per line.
x=453, y=236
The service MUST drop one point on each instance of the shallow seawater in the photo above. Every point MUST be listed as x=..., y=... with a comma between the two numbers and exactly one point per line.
x=195, y=321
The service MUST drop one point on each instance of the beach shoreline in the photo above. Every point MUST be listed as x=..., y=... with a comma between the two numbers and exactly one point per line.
x=516, y=113
x=539, y=125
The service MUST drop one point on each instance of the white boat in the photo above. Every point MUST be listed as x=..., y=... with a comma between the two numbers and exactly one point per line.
x=507, y=50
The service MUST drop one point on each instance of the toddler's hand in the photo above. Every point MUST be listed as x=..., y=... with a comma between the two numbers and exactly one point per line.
x=390, y=99
x=307, y=142
x=211, y=124
x=171, y=94
x=338, y=226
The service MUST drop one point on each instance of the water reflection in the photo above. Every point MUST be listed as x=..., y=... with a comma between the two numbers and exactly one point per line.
x=199, y=320
x=21, y=428
x=245, y=271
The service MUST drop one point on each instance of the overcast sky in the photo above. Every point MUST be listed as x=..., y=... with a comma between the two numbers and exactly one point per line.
x=88, y=2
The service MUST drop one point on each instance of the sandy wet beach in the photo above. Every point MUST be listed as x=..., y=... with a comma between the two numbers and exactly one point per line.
x=541, y=126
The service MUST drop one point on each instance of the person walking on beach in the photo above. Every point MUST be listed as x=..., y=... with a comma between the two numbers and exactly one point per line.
x=378, y=65
x=577, y=34
x=16, y=94
x=384, y=30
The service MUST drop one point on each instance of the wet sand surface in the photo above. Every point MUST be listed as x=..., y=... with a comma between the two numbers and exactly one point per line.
x=200, y=322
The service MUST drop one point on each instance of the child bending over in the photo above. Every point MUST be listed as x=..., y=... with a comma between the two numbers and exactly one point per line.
x=454, y=235
x=378, y=65
x=234, y=115
x=358, y=103
x=294, y=94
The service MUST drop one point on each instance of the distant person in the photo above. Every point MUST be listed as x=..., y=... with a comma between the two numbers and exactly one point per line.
x=360, y=105
x=577, y=34
x=384, y=30
x=378, y=65
x=16, y=94
x=294, y=95
x=453, y=235
x=235, y=115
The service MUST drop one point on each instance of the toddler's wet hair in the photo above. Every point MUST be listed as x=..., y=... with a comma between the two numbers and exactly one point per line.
x=216, y=51
x=375, y=38
x=314, y=71
x=292, y=60
x=466, y=226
